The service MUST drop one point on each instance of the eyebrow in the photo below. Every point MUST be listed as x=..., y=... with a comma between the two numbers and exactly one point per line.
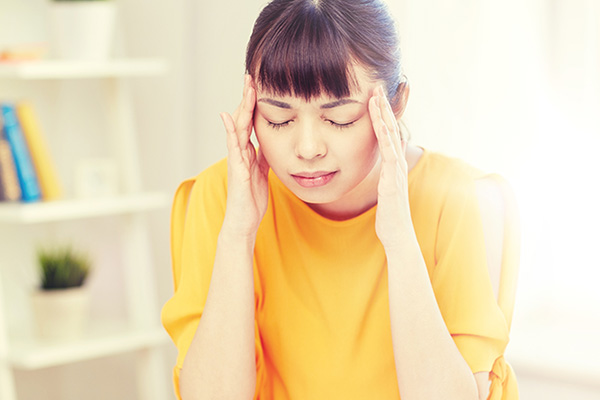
x=287, y=106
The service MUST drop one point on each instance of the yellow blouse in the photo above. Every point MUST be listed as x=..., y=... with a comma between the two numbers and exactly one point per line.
x=322, y=312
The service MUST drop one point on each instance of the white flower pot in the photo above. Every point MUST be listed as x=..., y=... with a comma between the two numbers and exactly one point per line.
x=62, y=314
x=82, y=30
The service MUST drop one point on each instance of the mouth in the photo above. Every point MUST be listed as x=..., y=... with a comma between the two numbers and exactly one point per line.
x=314, y=179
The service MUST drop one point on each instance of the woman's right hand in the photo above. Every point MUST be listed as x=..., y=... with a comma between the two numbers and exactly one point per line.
x=247, y=170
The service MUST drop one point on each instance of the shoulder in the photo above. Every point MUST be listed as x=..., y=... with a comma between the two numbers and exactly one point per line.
x=442, y=179
x=448, y=168
x=216, y=174
x=212, y=180
x=461, y=182
x=209, y=186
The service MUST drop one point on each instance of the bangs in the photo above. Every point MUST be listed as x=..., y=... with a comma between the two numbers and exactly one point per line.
x=302, y=54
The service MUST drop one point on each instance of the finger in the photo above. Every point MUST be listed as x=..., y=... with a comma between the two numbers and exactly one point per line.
x=246, y=84
x=236, y=113
x=390, y=120
x=250, y=82
x=379, y=118
x=233, y=147
x=244, y=121
x=404, y=141
x=390, y=117
x=400, y=139
x=400, y=143
x=386, y=147
x=375, y=114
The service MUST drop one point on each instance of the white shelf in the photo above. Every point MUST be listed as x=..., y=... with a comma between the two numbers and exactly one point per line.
x=103, y=340
x=31, y=213
x=64, y=69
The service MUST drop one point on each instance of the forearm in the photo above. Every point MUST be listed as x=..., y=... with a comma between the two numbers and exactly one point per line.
x=428, y=363
x=220, y=362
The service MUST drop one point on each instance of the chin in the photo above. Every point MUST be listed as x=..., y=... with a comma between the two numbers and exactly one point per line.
x=322, y=195
x=317, y=200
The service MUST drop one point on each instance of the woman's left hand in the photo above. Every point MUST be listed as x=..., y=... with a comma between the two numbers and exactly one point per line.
x=393, y=220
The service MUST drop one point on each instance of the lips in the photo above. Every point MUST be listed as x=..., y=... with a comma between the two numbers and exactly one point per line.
x=314, y=179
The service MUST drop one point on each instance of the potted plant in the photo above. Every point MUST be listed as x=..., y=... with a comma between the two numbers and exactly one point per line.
x=61, y=303
x=82, y=29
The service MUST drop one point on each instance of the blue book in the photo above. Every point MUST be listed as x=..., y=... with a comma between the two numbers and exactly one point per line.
x=30, y=189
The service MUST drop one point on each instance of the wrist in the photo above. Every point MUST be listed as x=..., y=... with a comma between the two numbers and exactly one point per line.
x=231, y=233
x=401, y=244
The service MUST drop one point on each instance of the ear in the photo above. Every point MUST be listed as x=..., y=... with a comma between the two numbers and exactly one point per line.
x=400, y=99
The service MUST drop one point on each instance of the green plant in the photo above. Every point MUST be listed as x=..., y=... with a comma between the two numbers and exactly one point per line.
x=62, y=268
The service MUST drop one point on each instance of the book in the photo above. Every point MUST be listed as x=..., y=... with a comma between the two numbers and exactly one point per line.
x=30, y=190
x=9, y=182
x=45, y=169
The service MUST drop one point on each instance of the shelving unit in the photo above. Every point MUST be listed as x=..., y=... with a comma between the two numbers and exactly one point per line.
x=140, y=331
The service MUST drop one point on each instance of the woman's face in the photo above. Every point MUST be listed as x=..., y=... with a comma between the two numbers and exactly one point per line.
x=325, y=151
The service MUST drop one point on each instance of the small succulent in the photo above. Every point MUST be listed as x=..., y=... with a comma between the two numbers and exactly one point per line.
x=62, y=268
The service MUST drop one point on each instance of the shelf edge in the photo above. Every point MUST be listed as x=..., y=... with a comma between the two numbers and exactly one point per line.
x=64, y=69
x=73, y=209
x=88, y=350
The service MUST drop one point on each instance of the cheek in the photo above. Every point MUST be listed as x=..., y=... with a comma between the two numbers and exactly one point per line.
x=258, y=131
x=365, y=146
x=268, y=144
x=265, y=140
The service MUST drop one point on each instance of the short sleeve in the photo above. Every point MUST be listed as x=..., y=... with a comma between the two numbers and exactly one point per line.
x=196, y=218
x=461, y=282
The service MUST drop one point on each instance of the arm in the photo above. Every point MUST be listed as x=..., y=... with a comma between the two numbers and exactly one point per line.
x=428, y=363
x=491, y=207
x=220, y=362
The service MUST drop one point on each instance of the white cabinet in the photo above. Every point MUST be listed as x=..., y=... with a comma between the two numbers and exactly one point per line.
x=120, y=220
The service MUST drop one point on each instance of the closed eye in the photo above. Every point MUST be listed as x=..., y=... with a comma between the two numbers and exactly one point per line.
x=341, y=126
x=279, y=125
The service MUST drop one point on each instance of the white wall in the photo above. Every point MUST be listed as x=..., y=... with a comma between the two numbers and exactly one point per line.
x=221, y=31
x=513, y=87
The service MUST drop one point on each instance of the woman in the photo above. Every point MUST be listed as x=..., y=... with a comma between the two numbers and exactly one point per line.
x=337, y=261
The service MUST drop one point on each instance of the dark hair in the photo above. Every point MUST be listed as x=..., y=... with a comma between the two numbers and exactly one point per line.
x=307, y=47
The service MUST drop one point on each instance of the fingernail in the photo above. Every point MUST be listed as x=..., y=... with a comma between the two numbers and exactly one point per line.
x=226, y=122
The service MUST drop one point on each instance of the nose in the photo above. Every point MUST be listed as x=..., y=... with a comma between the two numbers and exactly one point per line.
x=309, y=143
